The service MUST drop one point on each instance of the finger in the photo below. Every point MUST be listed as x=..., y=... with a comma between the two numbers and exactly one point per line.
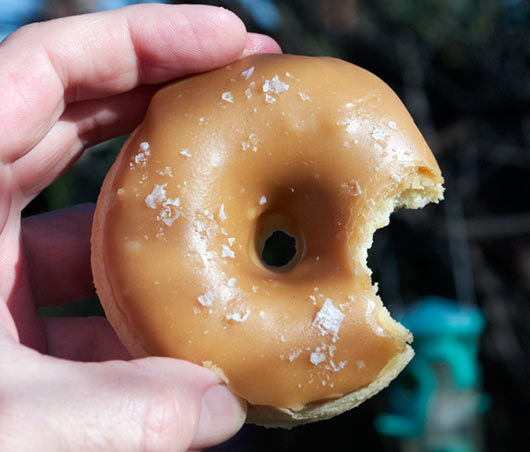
x=103, y=54
x=82, y=124
x=148, y=404
x=86, y=123
x=85, y=339
x=57, y=249
x=258, y=43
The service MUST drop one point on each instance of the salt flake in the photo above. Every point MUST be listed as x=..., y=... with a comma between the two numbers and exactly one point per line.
x=227, y=252
x=295, y=354
x=206, y=299
x=316, y=358
x=328, y=319
x=378, y=134
x=222, y=215
x=275, y=85
x=337, y=367
x=228, y=96
x=141, y=157
x=246, y=74
x=169, y=212
x=238, y=317
x=144, y=146
x=303, y=96
x=156, y=196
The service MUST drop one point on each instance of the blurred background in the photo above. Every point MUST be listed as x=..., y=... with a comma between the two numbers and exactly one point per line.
x=462, y=68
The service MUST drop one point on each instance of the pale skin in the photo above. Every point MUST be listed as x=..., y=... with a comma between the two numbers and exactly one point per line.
x=67, y=383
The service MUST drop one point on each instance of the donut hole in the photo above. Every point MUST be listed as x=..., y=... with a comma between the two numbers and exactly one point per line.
x=278, y=244
x=279, y=249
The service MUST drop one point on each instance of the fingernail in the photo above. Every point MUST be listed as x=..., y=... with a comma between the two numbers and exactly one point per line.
x=222, y=415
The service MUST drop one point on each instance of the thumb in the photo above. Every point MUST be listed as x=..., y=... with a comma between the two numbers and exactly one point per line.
x=152, y=404
x=191, y=409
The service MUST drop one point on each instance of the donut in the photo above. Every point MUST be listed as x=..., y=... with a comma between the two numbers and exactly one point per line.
x=314, y=152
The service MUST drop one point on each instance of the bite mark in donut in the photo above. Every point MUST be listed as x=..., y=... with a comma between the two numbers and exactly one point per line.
x=316, y=148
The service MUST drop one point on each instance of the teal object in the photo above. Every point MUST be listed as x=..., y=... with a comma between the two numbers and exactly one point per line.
x=435, y=403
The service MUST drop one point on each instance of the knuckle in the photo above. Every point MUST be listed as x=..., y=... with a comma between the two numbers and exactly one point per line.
x=27, y=31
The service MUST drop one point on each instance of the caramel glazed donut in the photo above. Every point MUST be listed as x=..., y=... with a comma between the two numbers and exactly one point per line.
x=315, y=147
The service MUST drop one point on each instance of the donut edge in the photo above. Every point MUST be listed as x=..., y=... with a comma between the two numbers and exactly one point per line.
x=268, y=416
x=118, y=320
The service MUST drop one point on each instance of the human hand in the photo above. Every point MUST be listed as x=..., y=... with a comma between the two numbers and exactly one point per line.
x=67, y=383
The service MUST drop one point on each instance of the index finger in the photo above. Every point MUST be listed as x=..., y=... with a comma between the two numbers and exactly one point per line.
x=48, y=65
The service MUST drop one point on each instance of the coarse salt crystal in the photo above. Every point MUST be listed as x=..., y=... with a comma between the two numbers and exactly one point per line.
x=222, y=215
x=269, y=99
x=337, y=367
x=303, y=96
x=238, y=317
x=206, y=299
x=231, y=282
x=167, y=214
x=231, y=241
x=144, y=146
x=378, y=134
x=156, y=196
x=246, y=74
x=185, y=153
x=141, y=157
x=275, y=85
x=227, y=252
x=295, y=354
x=228, y=96
x=254, y=140
x=262, y=200
x=328, y=319
x=316, y=358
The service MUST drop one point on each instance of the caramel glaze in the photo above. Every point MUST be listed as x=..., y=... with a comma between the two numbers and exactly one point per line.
x=311, y=146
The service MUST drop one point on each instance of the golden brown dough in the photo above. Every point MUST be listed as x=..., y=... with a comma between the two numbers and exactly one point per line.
x=316, y=147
